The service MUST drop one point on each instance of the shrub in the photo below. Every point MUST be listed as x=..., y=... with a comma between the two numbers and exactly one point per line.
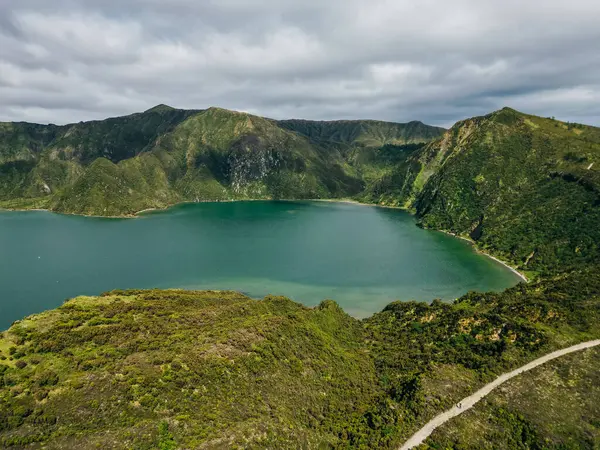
x=20, y=364
x=47, y=378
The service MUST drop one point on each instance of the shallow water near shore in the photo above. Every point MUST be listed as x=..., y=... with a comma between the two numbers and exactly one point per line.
x=362, y=257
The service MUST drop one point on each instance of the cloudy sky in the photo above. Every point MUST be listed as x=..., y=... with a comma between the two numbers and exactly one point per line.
x=432, y=60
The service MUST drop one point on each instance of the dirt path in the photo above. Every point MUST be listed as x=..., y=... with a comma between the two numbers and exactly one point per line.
x=471, y=400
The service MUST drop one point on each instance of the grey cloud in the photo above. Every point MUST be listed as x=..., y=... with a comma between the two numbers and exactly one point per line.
x=437, y=61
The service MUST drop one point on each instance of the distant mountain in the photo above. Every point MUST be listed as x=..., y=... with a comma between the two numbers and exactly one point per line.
x=162, y=156
x=367, y=133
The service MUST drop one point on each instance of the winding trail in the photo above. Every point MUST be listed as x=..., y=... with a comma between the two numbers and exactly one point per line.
x=470, y=401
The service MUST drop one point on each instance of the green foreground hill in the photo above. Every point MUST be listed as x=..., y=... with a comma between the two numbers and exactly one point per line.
x=154, y=159
x=184, y=369
x=177, y=369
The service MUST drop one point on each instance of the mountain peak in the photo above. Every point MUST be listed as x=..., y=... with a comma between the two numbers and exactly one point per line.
x=160, y=108
x=507, y=116
x=508, y=110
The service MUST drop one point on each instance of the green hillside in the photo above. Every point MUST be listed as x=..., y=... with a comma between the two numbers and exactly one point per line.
x=151, y=369
x=524, y=188
x=375, y=149
x=154, y=159
x=366, y=133
x=428, y=357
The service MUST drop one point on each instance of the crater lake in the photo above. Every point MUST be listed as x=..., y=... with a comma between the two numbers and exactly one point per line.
x=363, y=257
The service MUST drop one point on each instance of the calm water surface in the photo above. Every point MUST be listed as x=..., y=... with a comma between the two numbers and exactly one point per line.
x=362, y=257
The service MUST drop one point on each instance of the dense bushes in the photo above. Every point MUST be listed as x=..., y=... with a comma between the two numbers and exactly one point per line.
x=187, y=367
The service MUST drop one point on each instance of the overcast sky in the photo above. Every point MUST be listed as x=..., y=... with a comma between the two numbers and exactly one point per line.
x=432, y=60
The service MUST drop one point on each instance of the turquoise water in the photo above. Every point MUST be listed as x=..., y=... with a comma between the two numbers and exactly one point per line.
x=362, y=257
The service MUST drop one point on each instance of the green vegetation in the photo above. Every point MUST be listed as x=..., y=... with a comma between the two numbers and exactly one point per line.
x=366, y=133
x=180, y=369
x=163, y=156
x=525, y=189
x=177, y=369
x=173, y=369
x=431, y=356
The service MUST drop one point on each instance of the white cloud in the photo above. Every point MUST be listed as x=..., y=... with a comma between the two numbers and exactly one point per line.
x=433, y=60
x=91, y=38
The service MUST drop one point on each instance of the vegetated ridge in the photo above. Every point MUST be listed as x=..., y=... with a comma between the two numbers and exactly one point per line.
x=163, y=156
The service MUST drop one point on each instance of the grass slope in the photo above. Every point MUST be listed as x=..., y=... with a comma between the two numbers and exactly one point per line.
x=557, y=406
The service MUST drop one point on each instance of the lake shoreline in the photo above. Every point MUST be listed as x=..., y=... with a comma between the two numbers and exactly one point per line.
x=166, y=208
x=478, y=250
x=60, y=213
x=348, y=201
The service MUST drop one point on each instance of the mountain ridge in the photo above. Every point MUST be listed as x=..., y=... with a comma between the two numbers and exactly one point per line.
x=200, y=155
